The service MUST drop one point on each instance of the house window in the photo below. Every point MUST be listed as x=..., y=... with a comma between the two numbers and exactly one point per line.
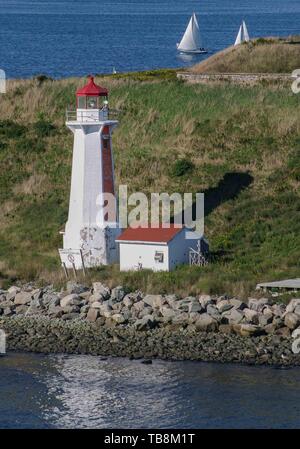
x=159, y=257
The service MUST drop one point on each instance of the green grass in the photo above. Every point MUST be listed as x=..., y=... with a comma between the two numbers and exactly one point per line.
x=238, y=145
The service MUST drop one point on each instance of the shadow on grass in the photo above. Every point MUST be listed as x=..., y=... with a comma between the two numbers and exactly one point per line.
x=228, y=188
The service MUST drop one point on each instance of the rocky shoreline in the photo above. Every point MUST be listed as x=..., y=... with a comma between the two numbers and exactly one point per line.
x=106, y=322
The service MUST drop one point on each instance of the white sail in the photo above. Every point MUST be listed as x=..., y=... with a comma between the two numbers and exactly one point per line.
x=246, y=34
x=191, y=40
x=238, y=40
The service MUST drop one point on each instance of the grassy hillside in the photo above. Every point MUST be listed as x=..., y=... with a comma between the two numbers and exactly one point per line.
x=242, y=148
x=270, y=55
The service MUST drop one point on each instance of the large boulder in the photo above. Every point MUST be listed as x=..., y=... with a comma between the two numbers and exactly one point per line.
x=292, y=320
x=75, y=288
x=92, y=315
x=167, y=312
x=233, y=316
x=251, y=316
x=292, y=305
x=224, y=305
x=102, y=290
x=118, y=293
x=145, y=323
x=70, y=300
x=206, y=323
x=128, y=301
x=154, y=301
x=250, y=330
x=119, y=318
x=194, y=306
x=106, y=311
x=11, y=292
x=237, y=304
x=204, y=300
x=213, y=312
x=22, y=298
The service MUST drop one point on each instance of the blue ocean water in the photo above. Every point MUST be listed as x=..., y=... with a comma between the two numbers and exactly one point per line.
x=74, y=37
x=72, y=391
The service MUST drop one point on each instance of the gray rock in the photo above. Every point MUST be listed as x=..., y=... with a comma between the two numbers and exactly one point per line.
x=118, y=293
x=171, y=300
x=250, y=330
x=167, y=312
x=213, y=312
x=70, y=300
x=119, y=318
x=297, y=310
x=7, y=304
x=278, y=310
x=251, y=316
x=237, y=304
x=233, y=316
x=55, y=312
x=21, y=309
x=8, y=312
x=85, y=308
x=70, y=316
x=145, y=323
x=92, y=315
x=292, y=320
x=71, y=309
x=194, y=307
x=22, y=298
x=204, y=300
x=97, y=305
x=74, y=288
x=292, y=305
x=206, y=323
x=101, y=289
x=153, y=301
x=224, y=305
x=138, y=306
x=105, y=310
x=145, y=311
x=11, y=292
x=128, y=301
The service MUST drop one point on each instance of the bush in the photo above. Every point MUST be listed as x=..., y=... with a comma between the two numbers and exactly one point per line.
x=11, y=129
x=43, y=128
x=182, y=167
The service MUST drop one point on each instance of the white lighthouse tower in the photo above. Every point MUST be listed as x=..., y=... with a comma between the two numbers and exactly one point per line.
x=91, y=228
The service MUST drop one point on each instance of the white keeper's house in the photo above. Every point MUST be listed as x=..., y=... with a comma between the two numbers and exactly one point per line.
x=157, y=249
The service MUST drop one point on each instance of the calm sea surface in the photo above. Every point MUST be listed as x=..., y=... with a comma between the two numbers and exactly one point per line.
x=64, y=391
x=75, y=37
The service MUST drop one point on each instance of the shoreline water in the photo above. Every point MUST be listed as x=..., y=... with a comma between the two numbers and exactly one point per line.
x=105, y=322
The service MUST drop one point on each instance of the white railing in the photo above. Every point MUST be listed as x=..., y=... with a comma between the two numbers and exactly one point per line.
x=95, y=115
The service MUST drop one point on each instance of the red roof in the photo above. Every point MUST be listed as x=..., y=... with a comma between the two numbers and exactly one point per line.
x=155, y=235
x=92, y=90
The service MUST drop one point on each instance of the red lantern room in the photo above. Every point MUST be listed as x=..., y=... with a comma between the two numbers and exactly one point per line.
x=89, y=96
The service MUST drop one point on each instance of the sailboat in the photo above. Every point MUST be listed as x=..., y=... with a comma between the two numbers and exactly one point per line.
x=243, y=35
x=191, y=41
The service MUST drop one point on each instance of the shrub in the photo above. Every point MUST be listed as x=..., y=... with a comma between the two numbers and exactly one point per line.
x=11, y=129
x=182, y=167
x=43, y=128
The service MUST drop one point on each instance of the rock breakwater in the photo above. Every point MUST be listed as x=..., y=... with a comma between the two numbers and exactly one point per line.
x=115, y=322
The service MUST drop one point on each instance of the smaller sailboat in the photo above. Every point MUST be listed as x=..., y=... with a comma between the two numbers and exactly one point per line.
x=243, y=35
x=191, y=42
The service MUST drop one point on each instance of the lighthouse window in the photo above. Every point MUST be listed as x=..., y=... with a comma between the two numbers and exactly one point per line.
x=92, y=102
x=81, y=103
